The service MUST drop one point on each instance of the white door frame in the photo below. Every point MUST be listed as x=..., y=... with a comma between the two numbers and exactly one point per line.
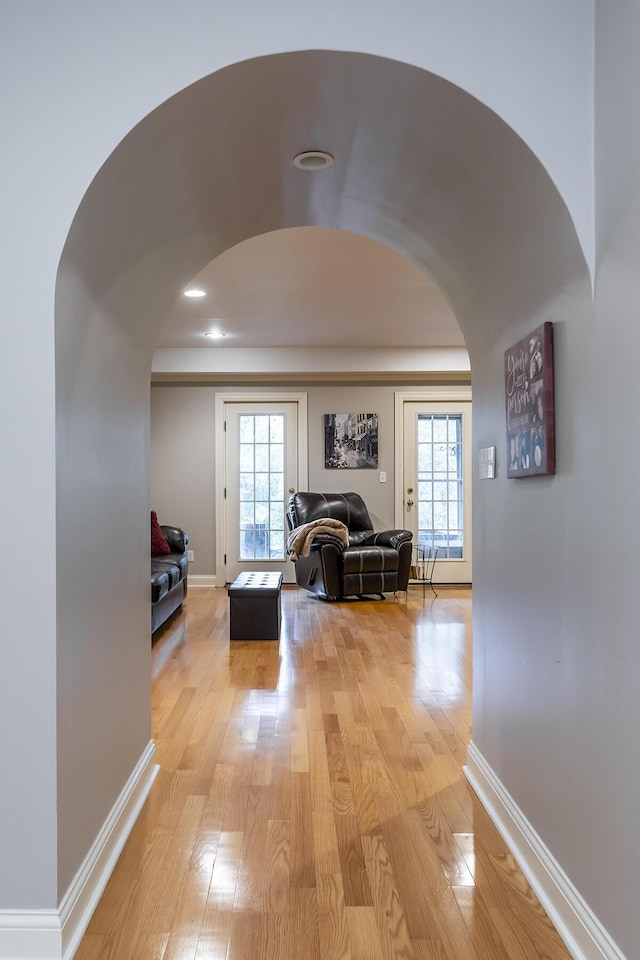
x=219, y=451
x=432, y=394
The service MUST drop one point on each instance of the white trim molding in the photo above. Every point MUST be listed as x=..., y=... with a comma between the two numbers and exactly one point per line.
x=431, y=394
x=203, y=580
x=56, y=934
x=432, y=399
x=582, y=932
x=310, y=364
x=221, y=400
x=30, y=935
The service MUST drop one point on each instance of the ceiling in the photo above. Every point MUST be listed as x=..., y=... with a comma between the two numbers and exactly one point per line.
x=311, y=287
x=428, y=184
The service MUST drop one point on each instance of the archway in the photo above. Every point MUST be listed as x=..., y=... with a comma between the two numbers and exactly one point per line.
x=420, y=165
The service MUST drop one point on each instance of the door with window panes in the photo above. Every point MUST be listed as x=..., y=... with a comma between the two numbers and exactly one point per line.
x=261, y=458
x=437, y=484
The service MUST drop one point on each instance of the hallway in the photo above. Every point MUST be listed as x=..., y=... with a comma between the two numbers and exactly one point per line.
x=311, y=803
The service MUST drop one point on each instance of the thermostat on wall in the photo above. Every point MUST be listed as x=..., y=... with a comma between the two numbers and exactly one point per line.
x=487, y=463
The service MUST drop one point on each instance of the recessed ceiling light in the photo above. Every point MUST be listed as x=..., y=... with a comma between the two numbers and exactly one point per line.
x=215, y=335
x=312, y=160
x=195, y=293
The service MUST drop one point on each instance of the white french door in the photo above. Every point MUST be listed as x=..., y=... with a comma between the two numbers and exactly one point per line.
x=436, y=489
x=262, y=467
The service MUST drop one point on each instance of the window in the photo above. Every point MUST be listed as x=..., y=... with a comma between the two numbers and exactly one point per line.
x=440, y=486
x=261, y=481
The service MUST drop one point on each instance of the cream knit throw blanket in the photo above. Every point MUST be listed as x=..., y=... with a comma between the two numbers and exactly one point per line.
x=300, y=539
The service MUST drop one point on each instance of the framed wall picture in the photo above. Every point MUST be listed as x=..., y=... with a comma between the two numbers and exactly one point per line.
x=528, y=371
x=350, y=440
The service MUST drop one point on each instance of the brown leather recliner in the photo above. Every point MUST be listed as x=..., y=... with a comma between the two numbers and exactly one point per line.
x=372, y=563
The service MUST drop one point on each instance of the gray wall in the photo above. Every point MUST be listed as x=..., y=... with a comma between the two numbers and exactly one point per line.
x=614, y=351
x=556, y=658
x=183, y=469
x=103, y=652
x=555, y=628
x=337, y=398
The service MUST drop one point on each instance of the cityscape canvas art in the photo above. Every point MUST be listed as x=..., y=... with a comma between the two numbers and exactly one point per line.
x=350, y=440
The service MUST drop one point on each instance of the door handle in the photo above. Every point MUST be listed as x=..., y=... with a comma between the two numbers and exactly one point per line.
x=409, y=503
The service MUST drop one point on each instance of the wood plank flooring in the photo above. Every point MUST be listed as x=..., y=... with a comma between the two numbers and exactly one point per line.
x=311, y=803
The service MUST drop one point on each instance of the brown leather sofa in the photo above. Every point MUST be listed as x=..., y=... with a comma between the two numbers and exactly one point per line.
x=372, y=563
x=169, y=577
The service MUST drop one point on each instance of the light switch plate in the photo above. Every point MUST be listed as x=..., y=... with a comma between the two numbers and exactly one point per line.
x=383, y=476
x=487, y=463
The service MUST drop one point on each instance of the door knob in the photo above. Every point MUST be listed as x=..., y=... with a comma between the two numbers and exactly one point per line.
x=292, y=489
x=409, y=503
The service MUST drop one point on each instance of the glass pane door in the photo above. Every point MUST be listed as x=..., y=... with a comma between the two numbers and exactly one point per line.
x=261, y=466
x=440, y=484
x=261, y=486
x=437, y=484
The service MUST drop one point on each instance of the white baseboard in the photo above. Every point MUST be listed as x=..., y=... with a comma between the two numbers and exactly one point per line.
x=56, y=934
x=30, y=935
x=582, y=932
x=208, y=580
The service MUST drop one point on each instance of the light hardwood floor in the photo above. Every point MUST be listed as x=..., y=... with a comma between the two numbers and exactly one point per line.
x=311, y=802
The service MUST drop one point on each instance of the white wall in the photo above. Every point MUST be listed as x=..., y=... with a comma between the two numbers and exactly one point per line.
x=75, y=80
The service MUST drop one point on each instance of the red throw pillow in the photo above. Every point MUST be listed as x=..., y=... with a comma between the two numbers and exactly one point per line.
x=159, y=545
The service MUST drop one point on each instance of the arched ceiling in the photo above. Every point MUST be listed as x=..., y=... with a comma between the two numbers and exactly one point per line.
x=420, y=166
x=310, y=287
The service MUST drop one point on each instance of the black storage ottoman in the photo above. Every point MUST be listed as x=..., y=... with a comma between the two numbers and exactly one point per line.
x=254, y=606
